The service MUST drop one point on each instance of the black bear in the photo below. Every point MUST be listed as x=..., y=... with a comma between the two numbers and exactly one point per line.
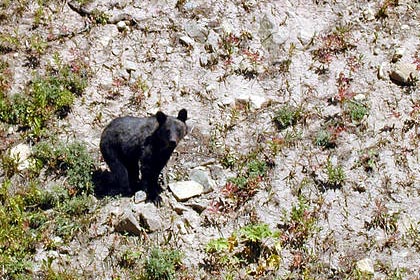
x=129, y=141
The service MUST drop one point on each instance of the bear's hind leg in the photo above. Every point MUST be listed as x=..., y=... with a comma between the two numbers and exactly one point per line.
x=133, y=175
x=119, y=176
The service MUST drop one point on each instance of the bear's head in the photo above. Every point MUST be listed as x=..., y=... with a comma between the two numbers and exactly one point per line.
x=171, y=130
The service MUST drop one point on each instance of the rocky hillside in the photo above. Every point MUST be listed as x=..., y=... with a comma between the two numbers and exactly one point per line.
x=301, y=160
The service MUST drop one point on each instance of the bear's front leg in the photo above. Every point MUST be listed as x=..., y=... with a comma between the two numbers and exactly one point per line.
x=149, y=183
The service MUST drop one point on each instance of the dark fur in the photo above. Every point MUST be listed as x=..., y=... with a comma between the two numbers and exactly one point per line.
x=128, y=141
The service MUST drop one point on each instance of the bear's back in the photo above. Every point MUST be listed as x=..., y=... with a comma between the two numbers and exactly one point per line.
x=128, y=131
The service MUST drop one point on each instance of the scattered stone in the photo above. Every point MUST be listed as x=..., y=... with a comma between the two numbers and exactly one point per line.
x=237, y=89
x=208, y=60
x=122, y=26
x=21, y=153
x=376, y=51
x=186, y=189
x=140, y=196
x=306, y=31
x=360, y=97
x=192, y=218
x=169, y=50
x=381, y=72
x=149, y=216
x=365, y=265
x=129, y=66
x=270, y=36
x=212, y=43
x=398, y=54
x=186, y=40
x=369, y=14
x=178, y=207
x=404, y=74
x=127, y=223
x=196, y=30
x=202, y=177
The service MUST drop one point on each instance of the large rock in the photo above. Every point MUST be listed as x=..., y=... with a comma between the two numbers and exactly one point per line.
x=404, y=74
x=127, y=223
x=149, y=216
x=186, y=189
x=202, y=177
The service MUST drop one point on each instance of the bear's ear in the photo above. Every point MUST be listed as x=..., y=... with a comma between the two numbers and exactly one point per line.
x=182, y=115
x=161, y=117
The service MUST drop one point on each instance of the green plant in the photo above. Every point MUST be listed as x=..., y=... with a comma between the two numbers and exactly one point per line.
x=383, y=10
x=5, y=78
x=356, y=110
x=44, y=98
x=17, y=237
x=287, y=115
x=368, y=160
x=335, y=175
x=244, y=248
x=300, y=225
x=9, y=164
x=71, y=160
x=242, y=187
x=383, y=219
x=130, y=258
x=325, y=138
x=100, y=17
x=162, y=264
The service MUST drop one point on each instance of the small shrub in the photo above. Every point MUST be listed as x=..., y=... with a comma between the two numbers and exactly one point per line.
x=356, y=110
x=244, y=248
x=162, y=264
x=17, y=238
x=335, y=175
x=334, y=43
x=44, y=98
x=286, y=116
x=325, y=139
x=9, y=165
x=302, y=224
x=383, y=219
x=71, y=160
x=130, y=258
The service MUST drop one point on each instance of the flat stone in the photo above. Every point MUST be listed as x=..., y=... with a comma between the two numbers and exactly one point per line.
x=186, y=189
x=365, y=265
x=186, y=40
x=404, y=74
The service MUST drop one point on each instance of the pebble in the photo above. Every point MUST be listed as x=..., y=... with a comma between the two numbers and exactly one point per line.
x=365, y=265
x=122, y=26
